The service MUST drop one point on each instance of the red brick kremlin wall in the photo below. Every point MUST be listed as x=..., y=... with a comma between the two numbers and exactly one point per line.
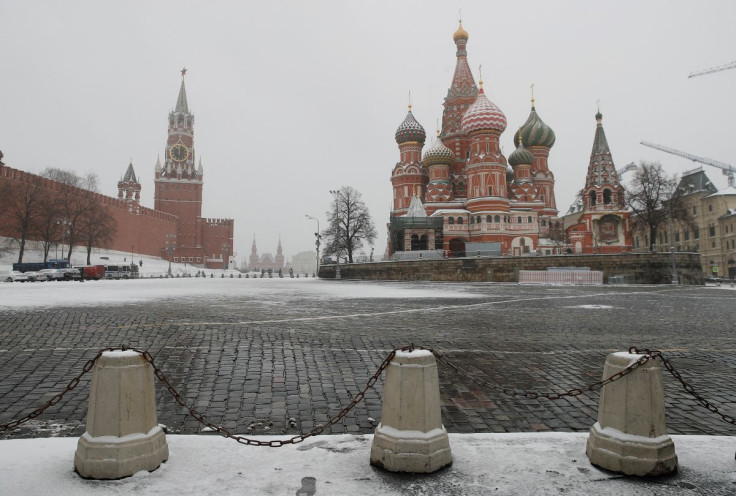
x=143, y=229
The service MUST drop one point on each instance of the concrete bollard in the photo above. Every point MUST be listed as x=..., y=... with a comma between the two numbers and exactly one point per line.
x=630, y=436
x=411, y=437
x=123, y=436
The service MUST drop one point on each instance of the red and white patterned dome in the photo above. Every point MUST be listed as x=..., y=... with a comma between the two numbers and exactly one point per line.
x=483, y=114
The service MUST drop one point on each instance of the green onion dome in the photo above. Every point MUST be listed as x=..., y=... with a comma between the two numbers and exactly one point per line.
x=521, y=156
x=534, y=132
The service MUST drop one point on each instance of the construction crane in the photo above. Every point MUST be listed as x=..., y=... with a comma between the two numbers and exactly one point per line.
x=727, y=169
x=711, y=70
x=626, y=168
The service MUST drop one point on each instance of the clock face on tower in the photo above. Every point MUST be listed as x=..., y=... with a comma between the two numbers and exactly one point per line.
x=179, y=152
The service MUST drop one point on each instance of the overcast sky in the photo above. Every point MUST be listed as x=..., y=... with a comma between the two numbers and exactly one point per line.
x=292, y=99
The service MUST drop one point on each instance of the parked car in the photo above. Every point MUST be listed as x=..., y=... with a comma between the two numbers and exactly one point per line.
x=53, y=274
x=34, y=276
x=14, y=276
x=71, y=273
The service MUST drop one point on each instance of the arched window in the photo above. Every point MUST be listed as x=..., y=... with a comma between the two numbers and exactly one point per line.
x=459, y=220
x=497, y=218
x=489, y=218
x=477, y=220
x=414, y=242
x=607, y=196
x=451, y=220
x=529, y=219
x=544, y=222
x=518, y=220
x=472, y=220
x=592, y=198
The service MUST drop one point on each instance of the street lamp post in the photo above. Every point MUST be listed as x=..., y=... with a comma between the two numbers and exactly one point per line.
x=225, y=256
x=672, y=249
x=170, y=247
x=63, y=223
x=336, y=193
x=316, y=235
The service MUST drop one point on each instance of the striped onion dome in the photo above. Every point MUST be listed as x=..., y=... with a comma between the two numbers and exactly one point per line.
x=521, y=156
x=483, y=114
x=410, y=130
x=438, y=153
x=534, y=132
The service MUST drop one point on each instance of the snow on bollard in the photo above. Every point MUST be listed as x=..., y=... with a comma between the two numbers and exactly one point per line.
x=123, y=436
x=411, y=437
x=630, y=436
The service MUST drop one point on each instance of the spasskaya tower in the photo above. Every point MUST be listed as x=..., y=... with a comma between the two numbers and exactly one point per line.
x=178, y=191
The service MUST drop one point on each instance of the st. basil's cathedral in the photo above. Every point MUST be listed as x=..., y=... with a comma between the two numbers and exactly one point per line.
x=462, y=198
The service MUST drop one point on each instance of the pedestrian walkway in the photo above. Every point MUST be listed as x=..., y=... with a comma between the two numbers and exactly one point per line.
x=483, y=464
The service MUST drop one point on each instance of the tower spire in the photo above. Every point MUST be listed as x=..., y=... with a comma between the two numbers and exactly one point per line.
x=532, y=88
x=181, y=101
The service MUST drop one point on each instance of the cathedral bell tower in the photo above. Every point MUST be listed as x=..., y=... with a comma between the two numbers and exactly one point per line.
x=178, y=183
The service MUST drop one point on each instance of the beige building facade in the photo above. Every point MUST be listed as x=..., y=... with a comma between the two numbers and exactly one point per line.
x=711, y=230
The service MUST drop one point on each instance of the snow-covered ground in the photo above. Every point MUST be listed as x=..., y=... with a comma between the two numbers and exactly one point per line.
x=483, y=464
x=48, y=294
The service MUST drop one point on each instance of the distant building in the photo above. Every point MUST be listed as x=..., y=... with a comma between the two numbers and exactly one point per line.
x=267, y=260
x=304, y=262
x=710, y=231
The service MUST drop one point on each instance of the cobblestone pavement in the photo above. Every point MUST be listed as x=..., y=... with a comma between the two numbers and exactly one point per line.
x=251, y=363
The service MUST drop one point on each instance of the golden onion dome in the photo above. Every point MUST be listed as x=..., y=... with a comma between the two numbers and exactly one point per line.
x=460, y=34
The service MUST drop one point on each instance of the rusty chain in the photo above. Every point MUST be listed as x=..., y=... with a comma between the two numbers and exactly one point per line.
x=703, y=402
x=276, y=443
x=647, y=355
x=57, y=397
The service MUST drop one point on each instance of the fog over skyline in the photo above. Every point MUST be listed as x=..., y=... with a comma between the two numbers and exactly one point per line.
x=292, y=99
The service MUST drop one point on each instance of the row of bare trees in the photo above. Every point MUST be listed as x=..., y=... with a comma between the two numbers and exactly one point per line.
x=69, y=216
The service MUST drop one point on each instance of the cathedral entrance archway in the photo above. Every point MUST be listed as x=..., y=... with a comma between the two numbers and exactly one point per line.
x=419, y=242
x=521, y=246
x=457, y=247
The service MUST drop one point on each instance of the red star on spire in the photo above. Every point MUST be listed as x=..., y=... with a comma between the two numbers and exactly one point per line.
x=183, y=72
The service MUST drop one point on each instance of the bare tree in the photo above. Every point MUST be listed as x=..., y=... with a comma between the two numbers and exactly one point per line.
x=21, y=205
x=557, y=234
x=48, y=226
x=97, y=229
x=76, y=201
x=654, y=199
x=350, y=224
